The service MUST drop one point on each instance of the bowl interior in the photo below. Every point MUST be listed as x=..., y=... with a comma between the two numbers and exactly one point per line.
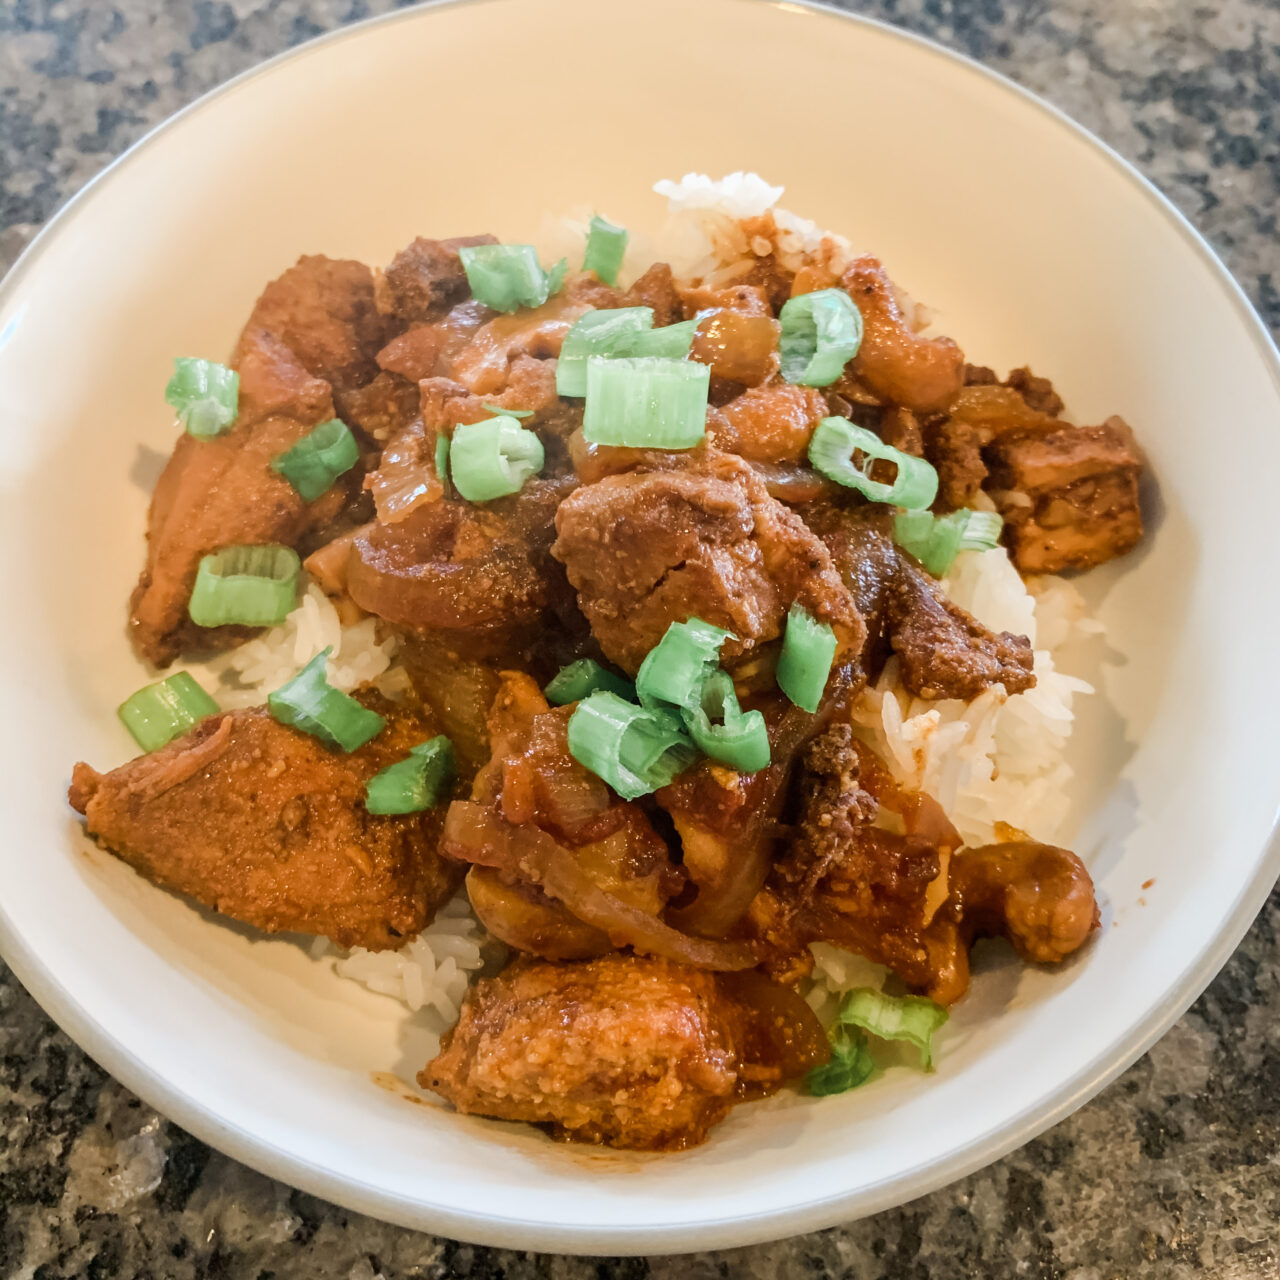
x=1031, y=244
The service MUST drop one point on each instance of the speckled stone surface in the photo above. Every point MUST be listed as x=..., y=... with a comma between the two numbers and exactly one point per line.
x=1174, y=1171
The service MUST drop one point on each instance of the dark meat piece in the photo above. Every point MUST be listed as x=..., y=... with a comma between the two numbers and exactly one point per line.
x=267, y=825
x=914, y=900
x=1038, y=896
x=1069, y=497
x=632, y=1053
x=222, y=492
x=1037, y=392
x=648, y=549
x=897, y=363
x=769, y=424
x=942, y=651
x=901, y=429
x=480, y=573
x=487, y=365
x=745, y=299
x=324, y=310
x=955, y=449
x=426, y=278
x=656, y=289
x=382, y=407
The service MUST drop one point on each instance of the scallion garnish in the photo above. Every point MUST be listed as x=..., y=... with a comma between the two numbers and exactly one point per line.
x=245, y=586
x=936, y=540
x=850, y=1065
x=821, y=333
x=493, y=458
x=508, y=276
x=606, y=246
x=609, y=331
x=205, y=396
x=310, y=703
x=160, y=712
x=808, y=650
x=672, y=341
x=318, y=459
x=419, y=781
x=831, y=450
x=910, y=1018
x=676, y=668
x=509, y=413
x=636, y=750
x=646, y=402
x=581, y=679
x=722, y=730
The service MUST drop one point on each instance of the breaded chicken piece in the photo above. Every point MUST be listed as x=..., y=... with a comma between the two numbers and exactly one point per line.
x=626, y=1051
x=267, y=824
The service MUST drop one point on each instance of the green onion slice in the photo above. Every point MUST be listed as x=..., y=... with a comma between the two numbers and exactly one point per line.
x=722, y=730
x=850, y=1065
x=609, y=331
x=493, y=458
x=583, y=678
x=636, y=750
x=205, y=395
x=442, y=461
x=831, y=450
x=821, y=333
x=676, y=668
x=160, y=712
x=936, y=540
x=671, y=341
x=245, y=586
x=310, y=703
x=606, y=246
x=509, y=413
x=318, y=459
x=419, y=781
x=508, y=276
x=910, y=1018
x=808, y=650
x=646, y=402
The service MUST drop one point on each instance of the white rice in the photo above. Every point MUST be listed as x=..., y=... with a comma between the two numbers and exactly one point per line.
x=996, y=759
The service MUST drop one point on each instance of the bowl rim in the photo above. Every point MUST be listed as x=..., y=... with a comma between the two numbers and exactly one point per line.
x=495, y=1229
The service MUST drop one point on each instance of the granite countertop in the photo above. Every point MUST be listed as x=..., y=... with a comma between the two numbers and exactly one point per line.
x=1173, y=1171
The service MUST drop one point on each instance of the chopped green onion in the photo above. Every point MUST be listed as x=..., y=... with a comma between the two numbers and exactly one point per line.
x=676, y=668
x=508, y=276
x=936, y=540
x=831, y=451
x=910, y=1018
x=492, y=458
x=821, y=333
x=646, y=402
x=671, y=341
x=609, y=331
x=722, y=730
x=636, y=750
x=420, y=781
x=509, y=413
x=205, y=395
x=808, y=650
x=442, y=460
x=245, y=586
x=318, y=459
x=606, y=245
x=850, y=1065
x=160, y=712
x=582, y=678
x=310, y=703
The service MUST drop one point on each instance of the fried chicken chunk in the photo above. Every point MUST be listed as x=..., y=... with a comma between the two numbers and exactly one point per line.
x=222, y=492
x=646, y=549
x=267, y=825
x=628, y=1052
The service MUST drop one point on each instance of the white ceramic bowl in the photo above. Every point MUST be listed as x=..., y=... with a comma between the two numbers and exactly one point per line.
x=1032, y=242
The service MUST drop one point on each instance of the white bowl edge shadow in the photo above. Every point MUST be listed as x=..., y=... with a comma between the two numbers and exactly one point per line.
x=807, y=1213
